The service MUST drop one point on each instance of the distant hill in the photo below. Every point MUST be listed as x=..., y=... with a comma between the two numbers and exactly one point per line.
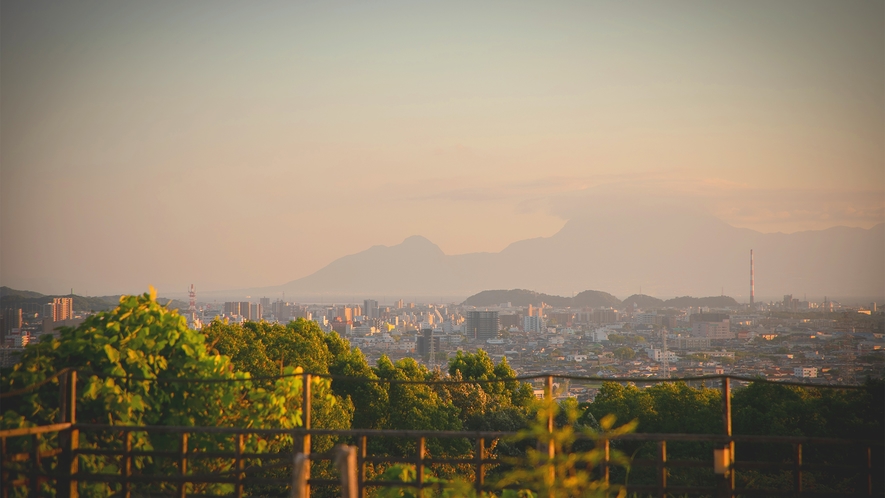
x=516, y=297
x=7, y=292
x=595, y=299
x=33, y=301
x=643, y=301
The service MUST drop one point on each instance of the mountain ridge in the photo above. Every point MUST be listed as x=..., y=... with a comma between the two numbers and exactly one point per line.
x=592, y=299
x=668, y=253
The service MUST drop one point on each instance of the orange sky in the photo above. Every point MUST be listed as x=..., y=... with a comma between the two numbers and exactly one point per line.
x=232, y=144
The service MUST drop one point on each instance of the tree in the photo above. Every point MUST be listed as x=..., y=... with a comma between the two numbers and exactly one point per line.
x=479, y=366
x=572, y=472
x=771, y=409
x=141, y=365
x=266, y=349
x=625, y=353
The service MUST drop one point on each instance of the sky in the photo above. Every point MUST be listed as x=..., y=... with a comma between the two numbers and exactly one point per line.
x=240, y=144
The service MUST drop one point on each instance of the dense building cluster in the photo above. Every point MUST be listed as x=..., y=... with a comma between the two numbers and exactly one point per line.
x=825, y=343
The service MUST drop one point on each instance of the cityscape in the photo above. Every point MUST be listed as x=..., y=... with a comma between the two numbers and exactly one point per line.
x=452, y=249
x=641, y=336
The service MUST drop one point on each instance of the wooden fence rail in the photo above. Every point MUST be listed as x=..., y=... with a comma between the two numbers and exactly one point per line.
x=49, y=465
x=59, y=466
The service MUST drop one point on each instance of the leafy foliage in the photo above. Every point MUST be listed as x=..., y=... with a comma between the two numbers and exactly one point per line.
x=479, y=366
x=625, y=353
x=570, y=472
x=130, y=361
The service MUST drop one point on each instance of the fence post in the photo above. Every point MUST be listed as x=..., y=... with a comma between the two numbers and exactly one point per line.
x=127, y=465
x=362, y=464
x=68, y=485
x=299, y=480
x=480, y=456
x=62, y=397
x=548, y=394
x=551, y=449
x=4, y=476
x=869, y=471
x=182, y=464
x=305, y=440
x=34, y=478
x=797, y=476
x=419, y=466
x=729, y=478
x=662, y=469
x=345, y=460
x=240, y=463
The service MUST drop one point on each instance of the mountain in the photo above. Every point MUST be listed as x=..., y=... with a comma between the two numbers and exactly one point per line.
x=516, y=297
x=595, y=299
x=592, y=299
x=643, y=301
x=15, y=293
x=33, y=301
x=667, y=252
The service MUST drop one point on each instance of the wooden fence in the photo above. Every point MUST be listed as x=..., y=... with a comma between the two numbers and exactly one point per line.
x=59, y=467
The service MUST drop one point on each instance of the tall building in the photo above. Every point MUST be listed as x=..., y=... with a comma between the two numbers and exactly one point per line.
x=244, y=309
x=281, y=311
x=255, y=311
x=711, y=325
x=481, y=324
x=532, y=324
x=12, y=319
x=428, y=345
x=370, y=308
x=232, y=308
x=560, y=317
x=62, y=308
x=605, y=316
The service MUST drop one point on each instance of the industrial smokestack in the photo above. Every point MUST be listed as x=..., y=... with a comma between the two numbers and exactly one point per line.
x=752, y=282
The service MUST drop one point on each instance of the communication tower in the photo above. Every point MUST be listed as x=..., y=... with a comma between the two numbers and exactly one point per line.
x=192, y=304
x=666, y=359
x=752, y=283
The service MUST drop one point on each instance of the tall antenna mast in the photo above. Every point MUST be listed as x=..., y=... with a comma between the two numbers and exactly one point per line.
x=666, y=361
x=432, y=351
x=192, y=304
x=752, y=283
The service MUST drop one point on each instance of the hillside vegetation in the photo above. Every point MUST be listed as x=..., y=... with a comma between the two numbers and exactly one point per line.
x=593, y=299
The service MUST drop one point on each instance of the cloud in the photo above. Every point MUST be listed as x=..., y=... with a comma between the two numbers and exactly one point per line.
x=739, y=204
x=742, y=205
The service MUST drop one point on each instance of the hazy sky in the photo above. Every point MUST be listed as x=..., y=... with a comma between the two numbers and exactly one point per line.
x=235, y=144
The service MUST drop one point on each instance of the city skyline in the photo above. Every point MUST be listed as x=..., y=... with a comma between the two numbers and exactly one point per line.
x=242, y=145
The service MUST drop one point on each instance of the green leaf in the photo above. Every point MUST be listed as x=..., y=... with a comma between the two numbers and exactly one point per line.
x=113, y=354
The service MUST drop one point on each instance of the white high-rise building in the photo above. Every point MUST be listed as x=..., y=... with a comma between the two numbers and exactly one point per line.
x=533, y=324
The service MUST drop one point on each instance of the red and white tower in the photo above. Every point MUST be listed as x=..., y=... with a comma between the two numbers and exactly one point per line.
x=192, y=305
x=752, y=282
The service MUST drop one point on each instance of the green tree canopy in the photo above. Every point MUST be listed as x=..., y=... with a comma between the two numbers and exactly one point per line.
x=139, y=364
x=479, y=366
x=625, y=353
x=143, y=340
x=266, y=349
